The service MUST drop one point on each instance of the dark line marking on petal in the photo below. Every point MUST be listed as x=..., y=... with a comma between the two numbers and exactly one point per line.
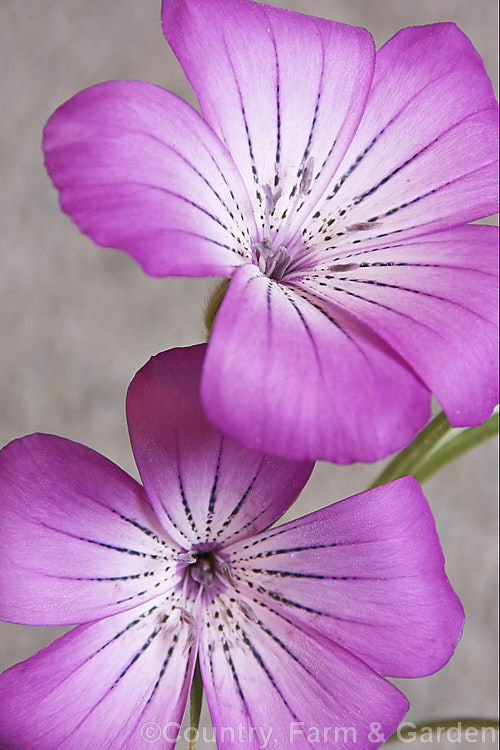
x=131, y=577
x=145, y=646
x=413, y=201
x=183, y=158
x=213, y=491
x=260, y=661
x=132, y=624
x=374, y=140
x=284, y=551
x=164, y=667
x=357, y=161
x=274, y=533
x=145, y=530
x=308, y=293
x=302, y=319
x=315, y=115
x=185, y=504
x=342, y=290
x=137, y=655
x=246, y=525
x=174, y=194
x=134, y=596
x=294, y=574
x=245, y=121
x=228, y=657
x=240, y=503
x=244, y=226
x=195, y=169
x=127, y=550
x=137, y=525
x=277, y=156
x=268, y=302
x=412, y=291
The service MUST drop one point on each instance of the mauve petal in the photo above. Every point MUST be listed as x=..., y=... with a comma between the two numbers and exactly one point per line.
x=204, y=486
x=434, y=300
x=79, y=540
x=425, y=155
x=367, y=572
x=139, y=169
x=278, y=87
x=111, y=684
x=286, y=377
x=267, y=671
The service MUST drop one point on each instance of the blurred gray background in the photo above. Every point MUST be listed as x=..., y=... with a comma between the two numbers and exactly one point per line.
x=77, y=321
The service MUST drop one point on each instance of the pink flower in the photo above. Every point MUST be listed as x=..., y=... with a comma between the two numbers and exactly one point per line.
x=334, y=186
x=294, y=626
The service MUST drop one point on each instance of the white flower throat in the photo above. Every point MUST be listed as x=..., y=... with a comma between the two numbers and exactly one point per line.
x=275, y=260
x=286, y=255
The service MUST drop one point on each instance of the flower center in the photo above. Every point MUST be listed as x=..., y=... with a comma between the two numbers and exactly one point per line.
x=275, y=259
x=205, y=575
x=273, y=262
x=203, y=571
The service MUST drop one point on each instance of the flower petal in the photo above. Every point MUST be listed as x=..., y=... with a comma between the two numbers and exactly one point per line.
x=204, y=486
x=425, y=156
x=79, y=540
x=367, y=572
x=269, y=673
x=290, y=378
x=114, y=683
x=312, y=76
x=138, y=169
x=434, y=300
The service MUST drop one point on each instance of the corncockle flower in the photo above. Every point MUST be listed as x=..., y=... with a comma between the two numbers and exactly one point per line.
x=334, y=186
x=294, y=626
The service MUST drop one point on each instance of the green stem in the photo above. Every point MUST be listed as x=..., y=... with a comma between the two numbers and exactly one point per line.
x=437, y=445
x=195, y=703
x=406, y=461
x=455, y=447
x=461, y=723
